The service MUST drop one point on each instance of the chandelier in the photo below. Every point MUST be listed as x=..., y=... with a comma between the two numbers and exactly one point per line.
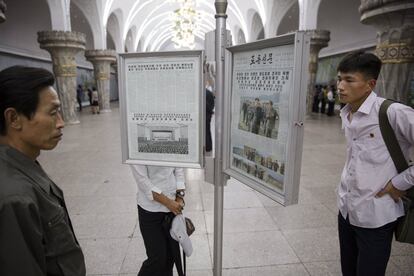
x=184, y=24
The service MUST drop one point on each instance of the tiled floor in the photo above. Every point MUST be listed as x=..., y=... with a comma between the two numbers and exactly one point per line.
x=260, y=236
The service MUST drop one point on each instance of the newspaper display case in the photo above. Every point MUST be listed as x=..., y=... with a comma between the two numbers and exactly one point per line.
x=263, y=133
x=162, y=108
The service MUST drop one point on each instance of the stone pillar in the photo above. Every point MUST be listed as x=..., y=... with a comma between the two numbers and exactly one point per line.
x=102, y=60
x=63, y=46
x=319, y=40
x=394, y=20
x=3, y=8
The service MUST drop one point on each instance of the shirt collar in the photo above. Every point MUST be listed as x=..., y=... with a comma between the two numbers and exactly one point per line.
x=25, y=165
x=368, y=103
x=365, y=108
x=344, y=114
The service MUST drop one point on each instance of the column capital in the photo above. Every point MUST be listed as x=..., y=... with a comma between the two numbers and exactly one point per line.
x=101, y=55
x=373, y=11
x=394, y=53
x=3, y=8
x=50, y=40
x=368, y=5
x=394, y=21
x=319, y=38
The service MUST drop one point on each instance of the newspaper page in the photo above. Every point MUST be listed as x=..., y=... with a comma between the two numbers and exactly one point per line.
x=162, y=106
x=262, y=81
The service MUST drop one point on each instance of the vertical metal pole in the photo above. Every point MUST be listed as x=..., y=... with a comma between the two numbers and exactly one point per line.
x=220, y=42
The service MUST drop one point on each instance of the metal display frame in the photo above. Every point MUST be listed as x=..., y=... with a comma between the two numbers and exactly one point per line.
x=296, y=113
x=122, y=63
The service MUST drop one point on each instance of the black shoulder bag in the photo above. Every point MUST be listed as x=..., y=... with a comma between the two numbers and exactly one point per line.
x=404, y=231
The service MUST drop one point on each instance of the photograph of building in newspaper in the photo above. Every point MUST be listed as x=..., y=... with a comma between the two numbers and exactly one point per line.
x=167, y=138
x=163, y=105
x=261, y=83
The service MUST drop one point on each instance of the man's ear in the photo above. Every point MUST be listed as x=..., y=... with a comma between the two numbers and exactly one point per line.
x=13, y=118
x=372, y=83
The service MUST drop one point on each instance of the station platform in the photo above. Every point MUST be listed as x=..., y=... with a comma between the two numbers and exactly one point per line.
x=261, y=237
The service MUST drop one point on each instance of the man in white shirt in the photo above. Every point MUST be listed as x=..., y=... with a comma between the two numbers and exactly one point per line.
x=160, y=196
x=331, y=101
x=370, y=188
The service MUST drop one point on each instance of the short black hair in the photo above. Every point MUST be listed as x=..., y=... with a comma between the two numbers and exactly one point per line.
x=366, y=63
x=19, y=89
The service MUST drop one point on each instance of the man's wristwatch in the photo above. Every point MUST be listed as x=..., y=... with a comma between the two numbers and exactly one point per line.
x=180, y=194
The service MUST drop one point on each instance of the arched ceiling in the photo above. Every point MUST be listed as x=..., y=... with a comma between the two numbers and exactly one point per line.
x=130, y=38
x=79, y=23
x=151, y=18
x=240, y=36
x=114, y=28
x=290, y=20
x=145, y=25
x=257, y=29
x=110, y=43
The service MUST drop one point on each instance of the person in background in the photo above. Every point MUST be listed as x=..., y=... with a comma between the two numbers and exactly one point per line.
x=79, y=96
x=331, y=101
x=322, y=98
x=370, y=190
x=90, y=96
x=95, y=103
x=315, y=104
x=36, y=234
x=160, y=196
x=209, y=113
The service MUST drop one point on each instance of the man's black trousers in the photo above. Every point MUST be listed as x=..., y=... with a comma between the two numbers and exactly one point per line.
x=157, y=243
x=364, y=251
x=209, y=142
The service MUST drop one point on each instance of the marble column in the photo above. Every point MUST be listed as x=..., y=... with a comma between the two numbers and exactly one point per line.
x=63, y=46
x=3, y=8
x=102, y=60
x=394, y=20
x=319, y=40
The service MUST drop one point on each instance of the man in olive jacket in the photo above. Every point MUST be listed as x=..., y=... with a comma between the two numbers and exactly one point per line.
x=36, y=234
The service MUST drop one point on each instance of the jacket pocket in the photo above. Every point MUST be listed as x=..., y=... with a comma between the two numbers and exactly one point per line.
x=59, y=236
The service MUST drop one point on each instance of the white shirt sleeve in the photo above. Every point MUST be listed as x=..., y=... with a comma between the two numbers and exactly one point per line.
x=330, y=96
x=179, y=176
x=402, y=120
x=140, y=174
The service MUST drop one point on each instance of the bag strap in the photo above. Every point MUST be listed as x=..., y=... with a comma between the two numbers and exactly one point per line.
x=390, y=139
x=185, y=267
x=173, y=245
x=176, y=254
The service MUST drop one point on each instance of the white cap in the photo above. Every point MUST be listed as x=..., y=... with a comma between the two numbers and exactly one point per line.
x=178, y=232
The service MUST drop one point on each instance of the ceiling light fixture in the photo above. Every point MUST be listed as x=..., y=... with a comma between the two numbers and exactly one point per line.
x=184, y=24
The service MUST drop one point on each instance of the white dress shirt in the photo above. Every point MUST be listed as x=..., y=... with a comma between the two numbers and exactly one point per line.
x=165, y=180
x=369, y=166
x=330, y=96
